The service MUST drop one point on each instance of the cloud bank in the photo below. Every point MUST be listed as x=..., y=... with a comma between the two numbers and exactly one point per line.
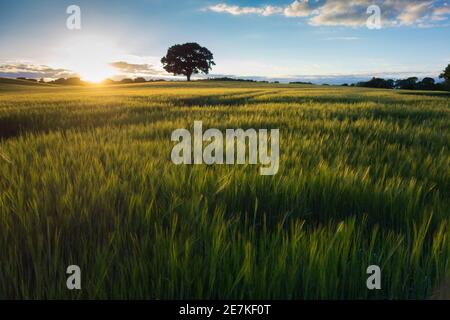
x=134, y=69
x=351, y=13
x=28, y=70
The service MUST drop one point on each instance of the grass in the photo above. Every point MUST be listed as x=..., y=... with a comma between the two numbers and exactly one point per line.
x=86, y=179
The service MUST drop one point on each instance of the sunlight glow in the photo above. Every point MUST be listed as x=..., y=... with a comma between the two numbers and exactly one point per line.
x=89, y=57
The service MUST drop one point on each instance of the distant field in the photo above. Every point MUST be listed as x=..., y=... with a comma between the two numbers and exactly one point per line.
x=86, y=179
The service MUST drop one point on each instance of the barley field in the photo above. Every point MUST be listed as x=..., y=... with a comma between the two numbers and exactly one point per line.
x=86, y=179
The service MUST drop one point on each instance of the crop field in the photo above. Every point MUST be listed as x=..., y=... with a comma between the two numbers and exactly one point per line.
x=86, y=179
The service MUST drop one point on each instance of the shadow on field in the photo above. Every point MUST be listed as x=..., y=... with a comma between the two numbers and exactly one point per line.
x=234, y=99
x=145, y=111
x=14, y=126
x=266, y=98
x=427, y=94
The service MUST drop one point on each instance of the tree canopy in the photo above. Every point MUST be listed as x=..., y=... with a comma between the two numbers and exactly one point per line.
x=411, y=83
x=446, y=74
x=188, y=59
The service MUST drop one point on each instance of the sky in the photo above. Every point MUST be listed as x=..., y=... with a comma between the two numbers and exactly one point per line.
x=323, y=41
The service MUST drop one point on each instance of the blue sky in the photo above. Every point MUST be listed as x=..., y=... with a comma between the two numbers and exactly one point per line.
x=316, y=40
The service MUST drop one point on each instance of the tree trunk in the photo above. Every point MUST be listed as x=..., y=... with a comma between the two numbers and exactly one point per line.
x=188, y=77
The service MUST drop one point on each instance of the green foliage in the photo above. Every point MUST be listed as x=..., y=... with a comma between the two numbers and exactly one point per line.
x=188, y=59
x=446, y=75
x=86, y=179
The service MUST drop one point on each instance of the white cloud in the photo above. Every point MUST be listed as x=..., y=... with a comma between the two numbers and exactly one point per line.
x=416, y=12
x=298, y=9
x=236, y=10
x=342, y=38
x=441, y=13
x=351, y=13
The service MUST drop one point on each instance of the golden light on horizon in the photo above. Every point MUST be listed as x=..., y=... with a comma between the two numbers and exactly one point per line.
x=89, y=57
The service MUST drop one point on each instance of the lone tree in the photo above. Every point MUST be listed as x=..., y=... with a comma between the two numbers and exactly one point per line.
x=446, y=74
x=188, y=59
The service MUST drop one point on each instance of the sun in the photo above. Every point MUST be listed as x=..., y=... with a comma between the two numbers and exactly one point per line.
x=95, y=74
x=89, y=57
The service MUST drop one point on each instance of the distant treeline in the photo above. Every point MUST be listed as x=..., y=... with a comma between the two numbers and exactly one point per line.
x=74, y=81
x=63, y=81
x=300, y=82
x=239, y=80
x=411, y=83
x=26, y=79
x=129, y=80
x=230, y=79
x=77, y=81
